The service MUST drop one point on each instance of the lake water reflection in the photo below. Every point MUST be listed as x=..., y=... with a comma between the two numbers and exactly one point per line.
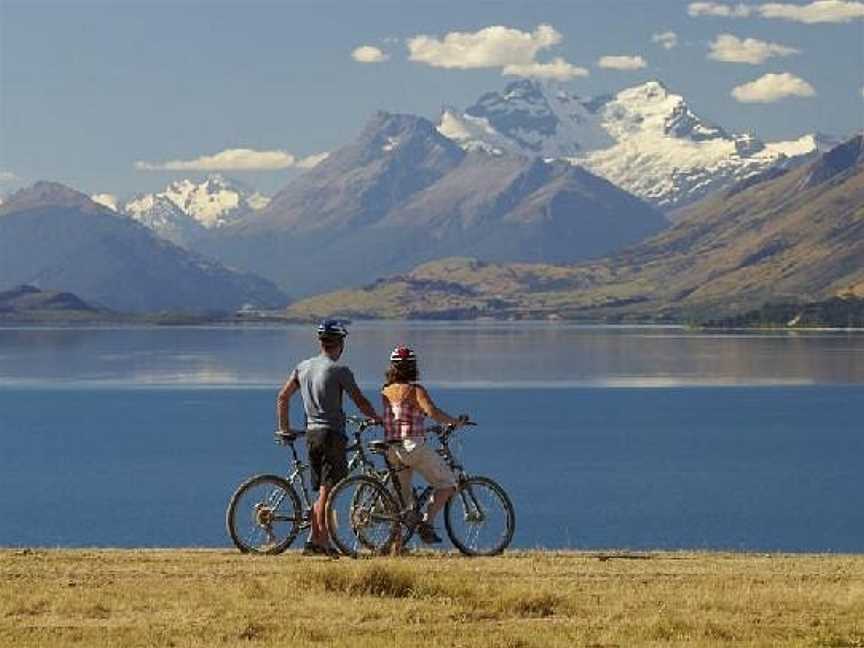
x=137, y=437
x=452, y=355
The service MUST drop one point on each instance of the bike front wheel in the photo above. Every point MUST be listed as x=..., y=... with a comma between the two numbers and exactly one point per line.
x=479, y=518
x=264, y=515
x=362, y=516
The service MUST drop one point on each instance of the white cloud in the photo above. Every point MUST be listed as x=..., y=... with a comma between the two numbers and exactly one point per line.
x=494, y=46
x=232, y=160
x=731, y=49
x=557, y=68
x=773, y=87
x=8, y=176
x=667, y=40
x=106, y=200
x=512, y=50
x=719, y=9
x=621, y=62
x=369, y=54
x=821, y=11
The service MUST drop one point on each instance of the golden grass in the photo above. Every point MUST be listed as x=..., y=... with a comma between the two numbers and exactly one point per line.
x=220, y=598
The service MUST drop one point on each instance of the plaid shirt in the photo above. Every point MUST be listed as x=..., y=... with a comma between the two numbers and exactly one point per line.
x=404, y=419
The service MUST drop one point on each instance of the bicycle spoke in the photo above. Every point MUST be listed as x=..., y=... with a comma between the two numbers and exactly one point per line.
x=361, y=516
x=263, y=515
x=480, y=518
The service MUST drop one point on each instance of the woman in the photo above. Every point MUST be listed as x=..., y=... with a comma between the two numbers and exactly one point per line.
x=406, y=406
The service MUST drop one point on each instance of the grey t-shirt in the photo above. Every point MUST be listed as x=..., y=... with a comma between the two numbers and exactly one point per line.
x=322, y=383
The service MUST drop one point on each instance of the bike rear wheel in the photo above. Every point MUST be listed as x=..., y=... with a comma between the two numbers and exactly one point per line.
x=479, y=518
x=264, y=515
x=362, y=516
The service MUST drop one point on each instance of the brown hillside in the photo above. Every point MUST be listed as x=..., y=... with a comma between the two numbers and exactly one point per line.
x=800, y=236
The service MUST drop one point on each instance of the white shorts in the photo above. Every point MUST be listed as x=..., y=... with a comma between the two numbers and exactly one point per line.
x=416, y=455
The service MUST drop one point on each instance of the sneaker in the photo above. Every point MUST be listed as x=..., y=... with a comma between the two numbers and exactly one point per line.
x=312, y=549
x=427, y=533
x=332, y=552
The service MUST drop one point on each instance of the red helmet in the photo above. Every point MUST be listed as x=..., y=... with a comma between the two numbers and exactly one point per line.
x=403, y=354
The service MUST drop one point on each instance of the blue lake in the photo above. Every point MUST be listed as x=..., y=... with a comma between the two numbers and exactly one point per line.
x=605, y=438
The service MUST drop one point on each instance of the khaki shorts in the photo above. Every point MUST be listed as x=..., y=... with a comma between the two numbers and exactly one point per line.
x=420, y=457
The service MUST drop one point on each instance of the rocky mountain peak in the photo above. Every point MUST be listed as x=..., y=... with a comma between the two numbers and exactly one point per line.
x=211, y=203
x=645, y=139
x=387, y=132
x=840, y=159
x=653, y=90
x=50, y=194
x=400, y=140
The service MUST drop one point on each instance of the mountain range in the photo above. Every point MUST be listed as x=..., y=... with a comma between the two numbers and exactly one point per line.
x=531, y=202
x=403, y=193
x=54, y=237
x=795, y=234
x=184, y=210
x=645, y=139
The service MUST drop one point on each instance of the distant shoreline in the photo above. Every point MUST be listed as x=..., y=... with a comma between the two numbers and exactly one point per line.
x=152, y=322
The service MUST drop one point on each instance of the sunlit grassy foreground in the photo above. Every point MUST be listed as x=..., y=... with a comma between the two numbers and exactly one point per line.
x=215, y=598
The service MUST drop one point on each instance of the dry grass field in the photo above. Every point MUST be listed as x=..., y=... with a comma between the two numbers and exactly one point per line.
x=220, y=598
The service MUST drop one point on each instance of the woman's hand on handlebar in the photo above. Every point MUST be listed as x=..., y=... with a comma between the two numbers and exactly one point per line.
x=462, y=420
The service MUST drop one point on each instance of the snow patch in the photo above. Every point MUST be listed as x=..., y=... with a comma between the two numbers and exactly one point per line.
x=645, y=139
x=106, y=200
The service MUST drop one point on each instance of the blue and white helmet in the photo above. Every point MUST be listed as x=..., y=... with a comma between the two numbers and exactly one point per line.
x=331, y=328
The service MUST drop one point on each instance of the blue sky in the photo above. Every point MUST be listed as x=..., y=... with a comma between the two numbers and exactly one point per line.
x=89, y=89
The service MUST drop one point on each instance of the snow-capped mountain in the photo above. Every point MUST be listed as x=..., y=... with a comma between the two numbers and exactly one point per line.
x=645, y=139
x=165, y=218
x=184, y=210
x=215, y=202
x=55, y=237
x=401, y=193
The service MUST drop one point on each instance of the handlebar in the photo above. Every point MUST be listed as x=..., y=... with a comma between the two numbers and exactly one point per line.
x=447, y=430
x=362, y=423
x=284, y=437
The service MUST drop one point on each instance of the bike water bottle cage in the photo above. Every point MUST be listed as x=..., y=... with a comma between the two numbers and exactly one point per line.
x=403, y=354
x=332, y=329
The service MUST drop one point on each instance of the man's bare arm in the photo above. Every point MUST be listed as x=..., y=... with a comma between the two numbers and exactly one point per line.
x=362, y=404
x=283, y=420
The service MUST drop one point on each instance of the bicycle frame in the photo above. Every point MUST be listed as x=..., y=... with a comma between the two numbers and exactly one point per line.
x=359, y=461
x=421, y=499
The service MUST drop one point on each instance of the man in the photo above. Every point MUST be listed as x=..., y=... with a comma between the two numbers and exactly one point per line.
x=321, y=382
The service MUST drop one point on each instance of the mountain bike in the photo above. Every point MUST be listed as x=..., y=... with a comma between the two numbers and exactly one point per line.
x=364, y=517
x=267, y=512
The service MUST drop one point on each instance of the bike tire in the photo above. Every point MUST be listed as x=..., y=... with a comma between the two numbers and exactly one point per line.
x=464, y=531
x=242, y=528
x=362, y=516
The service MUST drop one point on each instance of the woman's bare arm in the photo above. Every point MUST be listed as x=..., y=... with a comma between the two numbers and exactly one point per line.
x=431, y=410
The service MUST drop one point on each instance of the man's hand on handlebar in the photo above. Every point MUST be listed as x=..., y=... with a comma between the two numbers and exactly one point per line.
x=286, y=436
x=363, y=422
